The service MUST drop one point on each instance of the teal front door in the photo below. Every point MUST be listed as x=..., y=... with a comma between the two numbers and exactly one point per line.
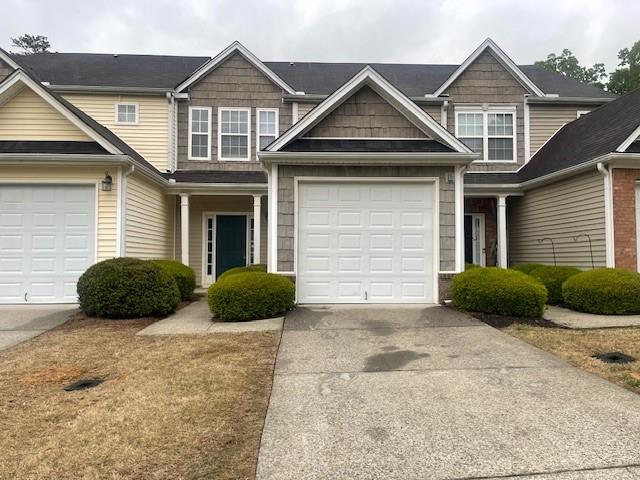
x=231, y=242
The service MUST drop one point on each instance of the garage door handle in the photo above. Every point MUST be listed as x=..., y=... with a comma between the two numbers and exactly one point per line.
x=365, y=294
x=25, y=296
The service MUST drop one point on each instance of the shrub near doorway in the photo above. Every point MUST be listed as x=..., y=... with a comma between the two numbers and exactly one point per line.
x=184, y=276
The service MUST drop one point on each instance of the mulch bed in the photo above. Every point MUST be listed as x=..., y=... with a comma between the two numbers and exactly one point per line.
x=504, y=321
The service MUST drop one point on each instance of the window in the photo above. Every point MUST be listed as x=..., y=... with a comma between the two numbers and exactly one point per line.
x=490, y=132
x=580, y=113
x=126, y=113
x=199, y=133
x=233, y=133
x=266, y=127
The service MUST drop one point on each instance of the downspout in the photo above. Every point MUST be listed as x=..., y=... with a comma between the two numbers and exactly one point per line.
x=172, y=120
x=123, y=212
x=608, y=214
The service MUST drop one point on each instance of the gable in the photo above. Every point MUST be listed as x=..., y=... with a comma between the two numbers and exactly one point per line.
x=5, y=69
x=26, y=116
x=366, y=114
x=486, y=76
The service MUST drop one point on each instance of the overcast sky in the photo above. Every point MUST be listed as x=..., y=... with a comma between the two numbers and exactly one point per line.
x=416, y=31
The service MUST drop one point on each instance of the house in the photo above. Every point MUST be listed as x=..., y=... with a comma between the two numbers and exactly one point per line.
x=368, y=183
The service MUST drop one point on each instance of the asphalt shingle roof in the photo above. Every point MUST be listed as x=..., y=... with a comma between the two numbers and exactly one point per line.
x=365, y=145
x=56, y=147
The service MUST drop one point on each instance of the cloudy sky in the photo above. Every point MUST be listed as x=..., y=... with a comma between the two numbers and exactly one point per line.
x=417, y=31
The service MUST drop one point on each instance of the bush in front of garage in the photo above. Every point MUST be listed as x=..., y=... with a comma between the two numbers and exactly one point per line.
x=499, y=291
x=127, y=288
x=257, y=267
x=184, y=276
x=552, y=277
x=251, y=295
x=606, y=291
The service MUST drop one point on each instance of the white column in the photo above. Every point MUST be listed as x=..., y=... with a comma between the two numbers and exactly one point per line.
x=502, y=231
x=184, y=227
x=459, y=217
x=273, y=219
x=257, y=203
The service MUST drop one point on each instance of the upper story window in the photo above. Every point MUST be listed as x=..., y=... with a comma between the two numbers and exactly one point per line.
x=199, y=133
x=490, y=132
x=266, y=126
x=233, y=133
x=127, y=113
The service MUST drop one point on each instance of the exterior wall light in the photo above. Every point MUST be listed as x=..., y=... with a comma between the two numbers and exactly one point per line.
x=107, y=182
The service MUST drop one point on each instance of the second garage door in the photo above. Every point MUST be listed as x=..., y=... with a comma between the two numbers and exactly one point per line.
x=365, y=242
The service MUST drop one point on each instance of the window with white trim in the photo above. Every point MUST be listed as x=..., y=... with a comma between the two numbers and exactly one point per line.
x=199, y=133
x=266, y=126
x=126, y=113
x=490, y=132
x=233, y=133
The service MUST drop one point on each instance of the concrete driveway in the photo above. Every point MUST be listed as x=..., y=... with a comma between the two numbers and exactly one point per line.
x=429, y=393
x=19, y=323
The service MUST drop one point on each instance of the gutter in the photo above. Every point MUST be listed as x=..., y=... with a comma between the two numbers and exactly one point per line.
x=122, y=210
x=373, y=158
x=569, y=100
x=319, y=98
x=107, y=89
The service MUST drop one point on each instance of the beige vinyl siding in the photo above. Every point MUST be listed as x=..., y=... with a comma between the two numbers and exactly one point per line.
x=107, y=201
x=304, y=108
x=28, y=117
x=559, y=211
x=149, y=137
x=201, y=204
x=149, y=220
x=545, y=120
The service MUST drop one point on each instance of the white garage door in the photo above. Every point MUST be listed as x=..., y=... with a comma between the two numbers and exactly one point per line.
x=47, y=239
x=365, y=242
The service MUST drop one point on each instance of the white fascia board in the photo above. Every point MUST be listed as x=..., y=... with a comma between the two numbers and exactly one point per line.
x=630, y=139
x=235, y=47
x=510, y=64
x=368, y=76
x=6, y=58
x=371, y=158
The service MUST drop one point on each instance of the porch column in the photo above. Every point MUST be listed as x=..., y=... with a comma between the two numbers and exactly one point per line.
x=502, y=231
x=257, y=203
x=184, y=228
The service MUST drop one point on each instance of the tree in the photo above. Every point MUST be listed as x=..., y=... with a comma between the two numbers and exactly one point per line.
x=567, y=64
x=31, y=44
x=626, y=77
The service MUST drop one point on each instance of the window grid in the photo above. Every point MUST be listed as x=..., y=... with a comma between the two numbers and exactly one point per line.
x=489, y=133
x=267, y=127
x=200, y=131
x=126, y=113
x=234, y=125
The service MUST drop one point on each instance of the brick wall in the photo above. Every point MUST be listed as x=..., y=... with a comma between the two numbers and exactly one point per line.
x=624, y=216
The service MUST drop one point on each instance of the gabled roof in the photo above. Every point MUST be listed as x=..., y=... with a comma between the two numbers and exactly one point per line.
x=235, y=48
x=369, y=77
x=6, y=58
x=502, y=57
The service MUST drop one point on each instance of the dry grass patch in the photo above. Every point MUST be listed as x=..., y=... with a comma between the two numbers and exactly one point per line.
x=578, y=347
x=178, y=407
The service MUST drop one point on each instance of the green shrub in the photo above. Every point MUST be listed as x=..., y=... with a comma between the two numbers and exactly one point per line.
x=127, y=288
x=258, y=267
x=605, y=291
x=500, y=291
x=527, y=267
x=184, y=276
x=469, y=266
x=251, y=295
x=552, y=277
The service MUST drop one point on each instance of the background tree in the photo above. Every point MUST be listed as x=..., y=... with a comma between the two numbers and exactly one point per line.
x=31, y=44
x=626, y=77
x=567, y=64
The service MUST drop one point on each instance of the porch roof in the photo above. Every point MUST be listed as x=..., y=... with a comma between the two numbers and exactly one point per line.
x=217, y=176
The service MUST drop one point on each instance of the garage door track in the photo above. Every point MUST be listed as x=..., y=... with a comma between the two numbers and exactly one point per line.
x=430, y=393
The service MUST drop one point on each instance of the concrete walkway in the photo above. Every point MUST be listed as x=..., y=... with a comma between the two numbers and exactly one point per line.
x=196, y=319
x=19, y=323
x=572, y=319
x=430, y=393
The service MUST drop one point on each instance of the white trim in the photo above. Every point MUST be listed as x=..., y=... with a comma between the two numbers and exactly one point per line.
x=443, y=113
x=608, y=215
x=459, y=218
x=630, y=139
x=580, y=113
x=235, y=47
x=502, y=57
x=6, y=58
x=248, y=134
x=360, y=138
x=481, y=236
x=190, y=140
x=368, y=76
x=436, y=215
x=137, y=113
x=295, y=116
x=527, y=130
x=501, y=218
x=485, y=110
x=122, y=211
x=184, y=228
x=273, y=220
x=257, y=228
x=258, y=112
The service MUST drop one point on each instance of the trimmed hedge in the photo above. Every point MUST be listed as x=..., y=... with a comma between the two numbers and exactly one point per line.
x=607, y=291
x=499, y=291
x=258, y=267
x=526, y=267
x=184, y=276
x=552, y=277
x=127, y=288
x=251, y=295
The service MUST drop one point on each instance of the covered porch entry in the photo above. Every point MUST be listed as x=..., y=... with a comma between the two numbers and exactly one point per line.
x=485, y=230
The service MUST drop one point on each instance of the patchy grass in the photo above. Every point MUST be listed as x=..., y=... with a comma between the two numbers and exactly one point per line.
x=177, y=407
x=578, y=346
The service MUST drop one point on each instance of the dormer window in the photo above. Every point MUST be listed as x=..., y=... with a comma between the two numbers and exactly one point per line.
x=489, y=131
x=127, y=113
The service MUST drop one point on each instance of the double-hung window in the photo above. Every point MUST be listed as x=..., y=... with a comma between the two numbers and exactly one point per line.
x=234, y=125
x=127, y=113
x=490, y=132
x=266, y=126
x=199, y=133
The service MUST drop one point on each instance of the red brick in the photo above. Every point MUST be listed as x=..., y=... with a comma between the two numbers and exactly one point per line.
x=624, y=216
